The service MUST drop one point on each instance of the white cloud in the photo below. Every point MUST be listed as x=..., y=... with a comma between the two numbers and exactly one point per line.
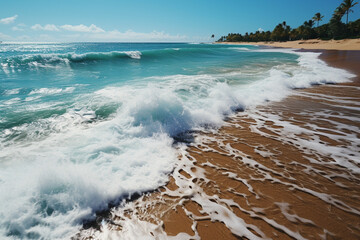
x=82, y=28
x=19, y=27
x=8, y=20
x=4, y=37
x=47, y=27
x=16, y=28
x=130, y=35
x=24, y=38
x=92, y=32
x=260, y=30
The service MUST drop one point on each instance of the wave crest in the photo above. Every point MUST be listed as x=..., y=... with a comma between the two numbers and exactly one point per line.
x=51, y=60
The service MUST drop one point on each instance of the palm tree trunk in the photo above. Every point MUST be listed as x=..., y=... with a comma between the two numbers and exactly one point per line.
x=347, y=16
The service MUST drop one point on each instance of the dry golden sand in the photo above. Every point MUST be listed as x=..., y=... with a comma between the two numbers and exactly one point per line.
x=345, y=44
x=274, y=197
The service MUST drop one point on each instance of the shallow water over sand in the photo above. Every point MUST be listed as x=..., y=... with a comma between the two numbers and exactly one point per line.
x=281, y=171
x=85, y=125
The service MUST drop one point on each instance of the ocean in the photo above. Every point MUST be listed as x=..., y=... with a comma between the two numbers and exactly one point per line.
x=85, y=125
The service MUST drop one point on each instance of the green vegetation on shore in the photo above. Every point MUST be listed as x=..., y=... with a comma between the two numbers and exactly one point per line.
x=335, y=29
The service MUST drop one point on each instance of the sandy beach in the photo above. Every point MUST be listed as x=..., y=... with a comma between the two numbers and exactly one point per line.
x=270, y=172
x=345, y=44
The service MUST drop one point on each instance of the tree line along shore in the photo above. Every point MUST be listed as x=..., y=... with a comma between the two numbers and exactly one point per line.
x=334, y=29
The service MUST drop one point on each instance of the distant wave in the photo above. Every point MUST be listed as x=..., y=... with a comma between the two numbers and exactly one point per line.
x=11, y=91
x=51, y=91
x=53, y=60
x=73, y=57
x=240, y=48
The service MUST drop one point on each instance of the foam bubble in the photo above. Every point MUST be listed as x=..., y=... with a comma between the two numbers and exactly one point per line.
x=134, y=54
x=65, y=178
x=59, y=170
x=12, y=91
x=52, y=91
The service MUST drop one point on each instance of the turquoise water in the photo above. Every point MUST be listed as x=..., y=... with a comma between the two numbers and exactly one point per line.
x=84, y=124
x=58, y=73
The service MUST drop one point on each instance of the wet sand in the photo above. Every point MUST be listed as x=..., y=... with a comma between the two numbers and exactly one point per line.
x=344, y=44
x=285, y=170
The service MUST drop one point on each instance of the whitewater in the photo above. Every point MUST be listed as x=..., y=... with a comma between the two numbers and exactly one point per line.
x=85, y=125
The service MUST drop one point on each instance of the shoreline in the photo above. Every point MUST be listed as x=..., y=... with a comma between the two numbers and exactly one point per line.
x=254, y=173
x=314, y=44
x=348, y=60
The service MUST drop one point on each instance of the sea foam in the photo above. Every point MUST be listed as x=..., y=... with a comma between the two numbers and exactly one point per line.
x=118, y=140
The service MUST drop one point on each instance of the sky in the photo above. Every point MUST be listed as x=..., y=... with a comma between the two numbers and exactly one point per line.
x=151, y=20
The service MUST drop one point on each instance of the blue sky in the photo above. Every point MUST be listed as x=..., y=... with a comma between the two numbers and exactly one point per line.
x=146, y=20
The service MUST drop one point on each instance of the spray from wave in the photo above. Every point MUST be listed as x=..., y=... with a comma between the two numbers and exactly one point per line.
x=60, y=163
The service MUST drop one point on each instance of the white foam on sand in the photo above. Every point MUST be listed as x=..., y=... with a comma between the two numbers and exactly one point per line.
x=79, y=163
x=219, y=100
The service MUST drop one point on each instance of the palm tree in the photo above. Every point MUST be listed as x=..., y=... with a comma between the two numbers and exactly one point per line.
x=339, y=12
x=309, y=24
x=346, y=7
x=317, y=17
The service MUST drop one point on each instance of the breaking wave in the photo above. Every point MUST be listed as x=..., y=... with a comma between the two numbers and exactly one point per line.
x=62, y=163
